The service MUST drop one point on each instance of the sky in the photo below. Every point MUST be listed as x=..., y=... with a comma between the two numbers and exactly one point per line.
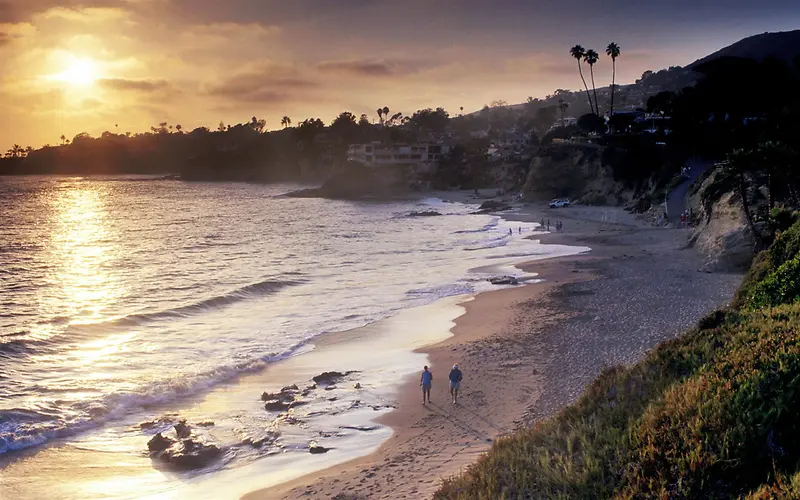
x=71, y=66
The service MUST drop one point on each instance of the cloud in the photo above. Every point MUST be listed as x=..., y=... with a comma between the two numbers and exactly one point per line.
x=123, y=84
x=265, y=83
x=372, y=68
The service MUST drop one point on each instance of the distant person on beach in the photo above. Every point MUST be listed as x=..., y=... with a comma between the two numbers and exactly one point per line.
x=519, y=230
x=510, y=232
x=455, y=382
x=426, y=382
x=541, y=225
x=548, y=224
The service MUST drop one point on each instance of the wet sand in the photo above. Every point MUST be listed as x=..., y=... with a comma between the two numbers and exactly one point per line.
x=526, y=352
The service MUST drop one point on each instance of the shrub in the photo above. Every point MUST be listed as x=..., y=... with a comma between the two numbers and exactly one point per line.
x=786, y=246
x=759, y=269
x=781, y=286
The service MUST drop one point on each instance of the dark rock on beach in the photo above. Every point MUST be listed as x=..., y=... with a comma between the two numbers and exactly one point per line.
x=159, y=443
x=504, y=280
x=424, y=213
x=316, y=450
x=182, y=430
x=277, y=405
x=492, y=206
x=189, y=453
x=328, y=378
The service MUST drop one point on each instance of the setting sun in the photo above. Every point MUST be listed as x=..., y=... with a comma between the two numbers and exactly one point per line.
x=80, y=72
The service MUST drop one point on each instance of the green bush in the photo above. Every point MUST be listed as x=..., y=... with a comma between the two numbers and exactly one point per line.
x=759, y=269
x=786, y=245
x=781, y=286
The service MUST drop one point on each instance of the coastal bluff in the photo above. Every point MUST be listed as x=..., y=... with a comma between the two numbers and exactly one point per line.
x=355, y=181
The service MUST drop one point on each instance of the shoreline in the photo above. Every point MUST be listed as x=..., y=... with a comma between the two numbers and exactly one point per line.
x=504, y=344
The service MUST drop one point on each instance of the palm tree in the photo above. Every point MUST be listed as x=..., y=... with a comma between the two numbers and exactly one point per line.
x=462, y=109
x=562, y=106
x=286, y=121
x=591, y=58
x=380, y=115
x=613, y=51
x=578, y=52
x=63, y=139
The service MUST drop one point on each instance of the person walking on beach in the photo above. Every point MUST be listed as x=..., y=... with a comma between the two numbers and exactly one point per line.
x=510, y=232
x=455, y=382
x=426, y=381
x=548, y=224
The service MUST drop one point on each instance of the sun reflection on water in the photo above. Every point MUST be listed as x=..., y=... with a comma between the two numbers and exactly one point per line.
x=83, y=248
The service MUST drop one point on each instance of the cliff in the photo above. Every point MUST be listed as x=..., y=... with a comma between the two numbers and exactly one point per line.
x=355, y=181
x=720, y=232
x=575, y=171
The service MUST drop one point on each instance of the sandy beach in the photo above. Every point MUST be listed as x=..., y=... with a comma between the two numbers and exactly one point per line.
x=526, y=352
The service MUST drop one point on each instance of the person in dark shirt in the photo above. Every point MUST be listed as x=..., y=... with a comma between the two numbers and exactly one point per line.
x=426, y=382
x=455, y=382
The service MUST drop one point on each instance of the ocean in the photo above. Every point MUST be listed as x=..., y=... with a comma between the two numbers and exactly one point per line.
x=123, y=296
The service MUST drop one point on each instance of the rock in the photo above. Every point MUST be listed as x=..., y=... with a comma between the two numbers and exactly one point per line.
x=205, y=423
x=357, y=386
x=287, y=394
x=182, y=430
x=159, y=443
x=492, y=206
x=277, y=405
x=362, y=428
x=328, y=378
x=297, y=403
x=269, y=438
x=190, y=454
x=331, y=388
x=424, y=213
x=316, y=450
x=504, y=280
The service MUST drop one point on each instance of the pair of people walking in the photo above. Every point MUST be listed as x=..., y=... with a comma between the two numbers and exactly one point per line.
x=426, y=382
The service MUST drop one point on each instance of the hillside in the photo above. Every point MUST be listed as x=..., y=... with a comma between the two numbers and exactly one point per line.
x=784, y=45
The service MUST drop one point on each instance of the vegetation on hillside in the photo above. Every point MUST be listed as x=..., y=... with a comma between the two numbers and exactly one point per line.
x=711, y=414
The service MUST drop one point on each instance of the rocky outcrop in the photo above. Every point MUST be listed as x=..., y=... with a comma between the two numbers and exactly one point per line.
x=720, y=229
x=492, y=206
x=356, y=181
x=188, y=451
x=328, y=378
x=575, y=171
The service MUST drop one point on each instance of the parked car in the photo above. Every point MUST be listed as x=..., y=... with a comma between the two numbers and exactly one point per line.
x=559, y=203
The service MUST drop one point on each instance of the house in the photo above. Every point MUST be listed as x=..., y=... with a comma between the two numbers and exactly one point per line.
x=420, y=155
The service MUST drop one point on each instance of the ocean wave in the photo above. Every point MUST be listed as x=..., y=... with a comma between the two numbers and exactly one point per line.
x=248, y=292
x=23, y=428
x=488, y=227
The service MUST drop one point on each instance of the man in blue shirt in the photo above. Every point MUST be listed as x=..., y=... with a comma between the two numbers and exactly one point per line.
x=455, y=382
x=426, y=381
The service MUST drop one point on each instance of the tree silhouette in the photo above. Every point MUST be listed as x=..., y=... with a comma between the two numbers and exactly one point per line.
x=63, y=139
x=562, y=106
x=591, y=58
x=286, y=121
x=578, y=52
x=613, y=51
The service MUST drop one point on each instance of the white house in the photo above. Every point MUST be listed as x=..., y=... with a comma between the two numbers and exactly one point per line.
x=378, y=154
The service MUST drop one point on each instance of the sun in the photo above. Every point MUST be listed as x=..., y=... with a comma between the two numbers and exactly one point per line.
x=80, y=72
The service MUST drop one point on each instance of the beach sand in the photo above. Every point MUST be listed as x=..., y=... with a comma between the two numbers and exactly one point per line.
x=527, y=352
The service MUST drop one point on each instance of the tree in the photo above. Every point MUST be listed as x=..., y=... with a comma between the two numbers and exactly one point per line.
x=578, y=52
x=613, y=51
x=462, y=110
x=363, y=121
x=286, y=121
x=63, y=139
x=221, y=127
x=429, y=120
x=562, y=106
x=661, y=102
x=380, y=115
x=385, y=111
x=591, y=58
x=345, y=128
x=257, y=125
x=179, y=128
